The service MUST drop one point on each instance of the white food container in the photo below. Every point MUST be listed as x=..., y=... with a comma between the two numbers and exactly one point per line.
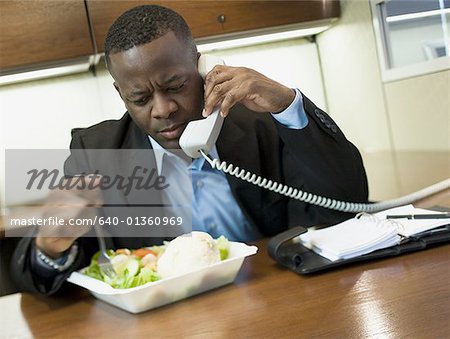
x=169, y=290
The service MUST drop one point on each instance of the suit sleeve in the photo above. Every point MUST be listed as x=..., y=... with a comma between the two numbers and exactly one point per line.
x=28, y=279
x=319, y=159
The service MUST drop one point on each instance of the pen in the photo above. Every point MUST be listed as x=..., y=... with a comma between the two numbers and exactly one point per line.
x=420, y=216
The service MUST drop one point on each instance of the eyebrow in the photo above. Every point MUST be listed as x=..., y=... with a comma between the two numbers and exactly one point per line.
x=135, y=96
x=173, y=78
x=137, y=93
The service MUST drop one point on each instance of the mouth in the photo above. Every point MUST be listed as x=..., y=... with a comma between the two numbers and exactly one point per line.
x=173, y=131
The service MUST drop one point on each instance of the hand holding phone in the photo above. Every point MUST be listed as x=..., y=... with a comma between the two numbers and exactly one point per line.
x=227, y=86
x=202, y=134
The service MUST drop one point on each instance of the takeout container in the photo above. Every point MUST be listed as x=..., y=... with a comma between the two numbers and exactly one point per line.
x=169, y=290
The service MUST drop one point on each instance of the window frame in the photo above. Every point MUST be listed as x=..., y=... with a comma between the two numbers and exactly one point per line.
x=388, y=73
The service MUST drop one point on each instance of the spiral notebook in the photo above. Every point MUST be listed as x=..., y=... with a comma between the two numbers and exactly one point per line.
x=368, y=232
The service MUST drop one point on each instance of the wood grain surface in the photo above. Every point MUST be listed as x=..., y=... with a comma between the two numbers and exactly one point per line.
x=42, y=31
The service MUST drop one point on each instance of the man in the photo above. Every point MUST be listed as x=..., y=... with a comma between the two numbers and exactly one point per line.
x=270, y=129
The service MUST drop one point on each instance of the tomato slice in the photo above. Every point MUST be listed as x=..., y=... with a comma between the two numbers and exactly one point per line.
x=142, y=252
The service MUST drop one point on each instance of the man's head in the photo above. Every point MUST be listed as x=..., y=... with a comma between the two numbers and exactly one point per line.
x=143, y=24
x=152, y=57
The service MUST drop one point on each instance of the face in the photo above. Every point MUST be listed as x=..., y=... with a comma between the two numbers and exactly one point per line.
x=160, y=86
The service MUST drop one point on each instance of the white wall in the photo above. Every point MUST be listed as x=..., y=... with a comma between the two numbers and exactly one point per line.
x=419, y=112
x=40, y=114
x=352, y=78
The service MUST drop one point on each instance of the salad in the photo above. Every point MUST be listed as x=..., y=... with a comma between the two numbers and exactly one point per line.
x=141, y=266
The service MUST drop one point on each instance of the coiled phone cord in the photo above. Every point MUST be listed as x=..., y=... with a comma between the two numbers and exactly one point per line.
x=310, y=198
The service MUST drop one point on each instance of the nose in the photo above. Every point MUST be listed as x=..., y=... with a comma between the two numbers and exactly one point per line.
x=163, y=106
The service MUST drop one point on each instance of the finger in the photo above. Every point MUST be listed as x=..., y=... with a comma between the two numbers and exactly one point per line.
x=230, y=99
x=216, y=97
x=60, y=198
x=93, y=192
x=86, y=187
x=217, y=75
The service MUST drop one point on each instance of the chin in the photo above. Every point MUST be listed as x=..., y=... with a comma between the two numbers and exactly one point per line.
x=172, y=144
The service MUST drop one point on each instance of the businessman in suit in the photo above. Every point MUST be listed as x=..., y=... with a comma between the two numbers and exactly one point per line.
x=269, y=129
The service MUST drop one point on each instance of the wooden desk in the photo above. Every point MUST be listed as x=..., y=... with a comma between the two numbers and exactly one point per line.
x=401, y=297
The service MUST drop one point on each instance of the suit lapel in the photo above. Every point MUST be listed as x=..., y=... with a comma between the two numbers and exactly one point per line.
x=135, y=138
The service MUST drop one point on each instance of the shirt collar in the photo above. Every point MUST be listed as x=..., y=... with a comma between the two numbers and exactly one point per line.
x=159, y=152
x=197, y=164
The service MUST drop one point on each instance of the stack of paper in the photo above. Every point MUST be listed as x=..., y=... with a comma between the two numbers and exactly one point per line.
x=368, y=233
x=351, y=238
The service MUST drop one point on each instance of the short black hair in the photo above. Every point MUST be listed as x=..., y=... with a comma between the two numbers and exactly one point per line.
x=143, y=24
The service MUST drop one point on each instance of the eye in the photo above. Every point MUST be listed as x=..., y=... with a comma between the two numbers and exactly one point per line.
x=175, y=88
x=140, y=102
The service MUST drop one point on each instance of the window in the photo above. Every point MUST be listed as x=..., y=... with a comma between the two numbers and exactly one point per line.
x=412, y=36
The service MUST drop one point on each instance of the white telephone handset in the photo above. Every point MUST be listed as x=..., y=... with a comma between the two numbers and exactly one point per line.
x=201, y=135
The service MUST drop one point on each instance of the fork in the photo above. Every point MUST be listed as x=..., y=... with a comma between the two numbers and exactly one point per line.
x=104, y=261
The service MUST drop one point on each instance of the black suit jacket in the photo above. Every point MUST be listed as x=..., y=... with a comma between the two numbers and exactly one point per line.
x=317, y=159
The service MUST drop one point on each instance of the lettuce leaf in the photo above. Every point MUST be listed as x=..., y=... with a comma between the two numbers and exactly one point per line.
x=124, y=280
x=223, y=245
x=93, y=270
